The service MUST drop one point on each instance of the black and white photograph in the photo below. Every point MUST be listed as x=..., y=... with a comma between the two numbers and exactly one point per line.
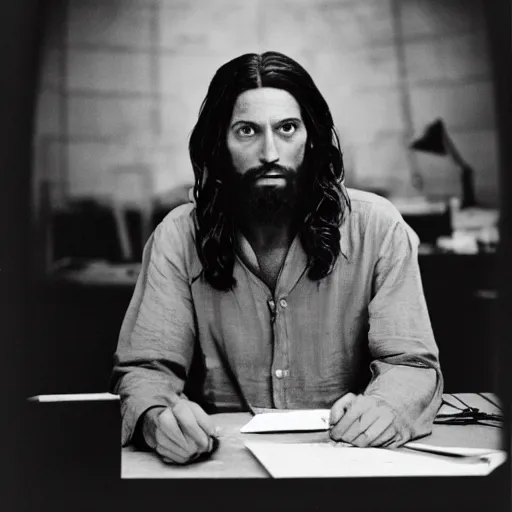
x=257, y=248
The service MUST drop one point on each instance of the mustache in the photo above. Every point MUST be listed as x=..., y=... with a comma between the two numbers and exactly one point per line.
x=255, y=173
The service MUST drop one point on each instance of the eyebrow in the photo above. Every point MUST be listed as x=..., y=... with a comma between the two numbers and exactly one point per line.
x=281, y=121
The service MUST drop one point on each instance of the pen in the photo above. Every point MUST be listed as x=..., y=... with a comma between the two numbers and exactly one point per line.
x=473, y=458
x=215, y=444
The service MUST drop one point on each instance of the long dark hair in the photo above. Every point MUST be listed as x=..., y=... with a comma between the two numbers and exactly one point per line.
x=327, y=200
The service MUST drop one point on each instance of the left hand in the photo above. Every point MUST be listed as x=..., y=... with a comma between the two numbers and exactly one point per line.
x=364, y=421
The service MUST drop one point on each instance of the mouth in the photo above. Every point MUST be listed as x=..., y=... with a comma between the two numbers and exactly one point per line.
x=272, y=175
x=271, y=178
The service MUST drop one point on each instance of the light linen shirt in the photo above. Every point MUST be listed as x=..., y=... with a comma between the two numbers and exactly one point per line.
x=363, y=329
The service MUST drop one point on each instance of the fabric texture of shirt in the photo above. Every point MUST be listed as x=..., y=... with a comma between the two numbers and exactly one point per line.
x=364, y=328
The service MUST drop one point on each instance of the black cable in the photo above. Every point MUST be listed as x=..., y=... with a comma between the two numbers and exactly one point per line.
x=463, y=421
x=468, y=415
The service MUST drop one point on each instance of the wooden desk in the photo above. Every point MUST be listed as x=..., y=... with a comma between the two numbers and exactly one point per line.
x=233, y=460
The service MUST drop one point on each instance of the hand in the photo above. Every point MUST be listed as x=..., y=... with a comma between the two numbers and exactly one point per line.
x=179, y=434
x=364, y=421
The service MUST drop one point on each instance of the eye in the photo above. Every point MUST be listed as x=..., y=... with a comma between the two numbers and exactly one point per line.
x=245, y=131
x=288, y=128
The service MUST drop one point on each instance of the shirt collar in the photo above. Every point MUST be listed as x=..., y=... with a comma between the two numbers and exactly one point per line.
x=246, y=251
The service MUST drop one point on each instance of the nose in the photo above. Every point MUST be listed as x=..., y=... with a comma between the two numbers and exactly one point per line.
x=269, y=153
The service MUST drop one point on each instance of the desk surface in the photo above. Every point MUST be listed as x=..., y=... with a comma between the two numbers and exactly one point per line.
x=233, y=460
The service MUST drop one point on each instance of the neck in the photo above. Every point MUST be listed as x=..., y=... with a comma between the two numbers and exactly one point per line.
x=267, y=237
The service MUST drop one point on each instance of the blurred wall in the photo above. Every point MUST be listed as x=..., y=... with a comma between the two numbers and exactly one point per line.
x=122, y=82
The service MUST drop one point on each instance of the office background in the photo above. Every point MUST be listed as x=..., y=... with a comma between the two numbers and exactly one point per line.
x=122, y=81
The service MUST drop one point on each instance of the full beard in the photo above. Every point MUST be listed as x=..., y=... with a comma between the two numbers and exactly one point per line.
x=266, y=205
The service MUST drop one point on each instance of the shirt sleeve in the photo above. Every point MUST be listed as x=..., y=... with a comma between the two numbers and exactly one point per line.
x=156, y=341
x=405, y=361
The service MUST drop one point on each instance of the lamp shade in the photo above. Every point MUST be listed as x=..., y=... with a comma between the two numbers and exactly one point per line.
x=432, y=140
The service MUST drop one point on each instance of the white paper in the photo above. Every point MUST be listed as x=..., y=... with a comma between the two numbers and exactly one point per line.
x=310, y=460
x=74, y=397
x=459, y=451
x=288, y=421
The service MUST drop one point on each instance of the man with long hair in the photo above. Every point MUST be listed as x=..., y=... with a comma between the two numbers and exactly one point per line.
x=277, y=287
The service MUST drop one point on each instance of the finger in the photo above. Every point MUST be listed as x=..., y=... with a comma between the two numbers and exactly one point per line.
x=340, y=408
x=360, y=425
x=170, y=427
x=167, y=460
x=386, y=438
x=171, y=452
x=173, y=458
x=204, y=421
x=397, y=441
x=383, y=421
x=166, y=444
x=189, y=425
x=357, y=407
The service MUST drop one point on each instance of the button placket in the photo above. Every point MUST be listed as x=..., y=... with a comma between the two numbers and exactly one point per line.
x=272, y=307
x=280, y=371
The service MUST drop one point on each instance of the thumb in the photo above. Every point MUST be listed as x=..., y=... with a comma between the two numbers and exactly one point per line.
x=203, y=420
x=340, y=407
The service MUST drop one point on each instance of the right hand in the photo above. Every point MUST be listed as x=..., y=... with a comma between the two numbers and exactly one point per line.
x=179, y=434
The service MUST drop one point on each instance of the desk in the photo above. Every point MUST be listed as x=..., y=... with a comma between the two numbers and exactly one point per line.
x=233, y=460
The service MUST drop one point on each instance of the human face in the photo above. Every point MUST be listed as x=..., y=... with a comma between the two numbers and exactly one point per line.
x=266, y=133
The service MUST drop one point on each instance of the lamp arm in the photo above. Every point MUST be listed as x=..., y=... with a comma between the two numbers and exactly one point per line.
x=467, y=182
x=452, y=150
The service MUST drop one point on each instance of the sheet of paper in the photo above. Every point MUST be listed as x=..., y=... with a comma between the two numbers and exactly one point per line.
x=288, y=421
x=310, y=460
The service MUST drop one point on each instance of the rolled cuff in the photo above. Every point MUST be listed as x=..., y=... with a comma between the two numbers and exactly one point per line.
x=132, y=409
x=413, y=393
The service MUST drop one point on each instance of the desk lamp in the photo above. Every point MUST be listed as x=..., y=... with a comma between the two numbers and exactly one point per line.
x=436, y=140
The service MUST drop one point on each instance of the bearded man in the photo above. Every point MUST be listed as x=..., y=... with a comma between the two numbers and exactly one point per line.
x=277, y=287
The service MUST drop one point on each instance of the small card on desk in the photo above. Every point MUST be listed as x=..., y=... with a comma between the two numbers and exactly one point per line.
x=74, y=397
x=303, y=420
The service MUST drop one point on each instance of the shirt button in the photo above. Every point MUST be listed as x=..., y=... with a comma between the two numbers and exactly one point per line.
x=279, y=373
x=283, y=303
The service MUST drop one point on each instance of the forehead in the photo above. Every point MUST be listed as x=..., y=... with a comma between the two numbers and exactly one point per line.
x=265, y=103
